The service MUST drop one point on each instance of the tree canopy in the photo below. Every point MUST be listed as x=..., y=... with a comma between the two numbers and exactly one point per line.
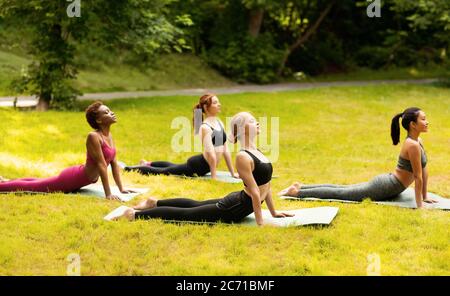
x=246, y=40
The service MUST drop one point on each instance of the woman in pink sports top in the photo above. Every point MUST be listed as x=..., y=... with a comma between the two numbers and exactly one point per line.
x=100, y=153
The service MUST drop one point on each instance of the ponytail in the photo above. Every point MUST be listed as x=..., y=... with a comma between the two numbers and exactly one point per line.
x=237, y=125
x=395, y=129
x=408, y=116
x=199, y=109
x=197, y=118
x=234, y=134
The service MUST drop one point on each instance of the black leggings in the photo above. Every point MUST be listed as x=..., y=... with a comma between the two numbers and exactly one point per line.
x=232, y=208
x=195, y=165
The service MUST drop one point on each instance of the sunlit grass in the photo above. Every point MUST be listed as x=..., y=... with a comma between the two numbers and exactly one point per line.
x=337, y=135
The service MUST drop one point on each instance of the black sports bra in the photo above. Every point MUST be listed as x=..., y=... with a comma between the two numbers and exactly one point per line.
x=218, y=137
x=262, y=173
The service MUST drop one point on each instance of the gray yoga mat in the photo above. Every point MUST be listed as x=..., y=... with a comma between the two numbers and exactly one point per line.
x=406, y=199
x=95, y=190
x=309, y=216
x=222, y=176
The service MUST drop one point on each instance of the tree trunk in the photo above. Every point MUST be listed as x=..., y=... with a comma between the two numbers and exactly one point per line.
x=43, y=103
x=255, y=21
x=303, y=38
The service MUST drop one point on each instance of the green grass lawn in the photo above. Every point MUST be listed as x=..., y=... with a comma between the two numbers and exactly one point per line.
x=338, y=134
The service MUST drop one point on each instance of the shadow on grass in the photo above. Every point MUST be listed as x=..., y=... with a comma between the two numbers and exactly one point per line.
x=212, y=224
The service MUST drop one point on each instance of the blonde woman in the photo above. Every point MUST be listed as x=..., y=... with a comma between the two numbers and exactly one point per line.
x=254, y=169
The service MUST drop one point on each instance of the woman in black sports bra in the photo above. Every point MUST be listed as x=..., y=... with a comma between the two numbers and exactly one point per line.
x=213, y=137
x=254, y=169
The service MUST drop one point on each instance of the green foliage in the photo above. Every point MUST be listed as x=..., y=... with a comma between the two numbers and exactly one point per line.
x=373, y=57
x=324, y=54
x=426, y=15
x=139, y=26
x=408, y=34
x=404, y=36
x=247, y=59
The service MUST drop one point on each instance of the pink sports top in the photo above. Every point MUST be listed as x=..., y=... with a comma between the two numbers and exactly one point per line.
x=108, y=153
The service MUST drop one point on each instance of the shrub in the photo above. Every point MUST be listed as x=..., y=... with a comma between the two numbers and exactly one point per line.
x=247, y=59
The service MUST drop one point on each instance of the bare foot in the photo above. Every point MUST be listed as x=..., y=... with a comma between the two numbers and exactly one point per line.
x=297, y=185
x=149, y=203
x=127, y=213
x=291, y=190
x=144, y=162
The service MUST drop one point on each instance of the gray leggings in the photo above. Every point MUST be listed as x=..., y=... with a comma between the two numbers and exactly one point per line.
x=382, y=187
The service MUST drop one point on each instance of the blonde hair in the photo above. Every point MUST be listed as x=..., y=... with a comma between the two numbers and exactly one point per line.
x=238, y=126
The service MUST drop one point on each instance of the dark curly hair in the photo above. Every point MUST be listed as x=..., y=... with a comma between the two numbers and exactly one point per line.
x=92, y=113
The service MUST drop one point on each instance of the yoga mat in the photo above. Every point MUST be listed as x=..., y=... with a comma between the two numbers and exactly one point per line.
x=309, y=216
x=97, y=190
x=94, y=190
x=115, y=212
x=222, y=176
x=406, y=199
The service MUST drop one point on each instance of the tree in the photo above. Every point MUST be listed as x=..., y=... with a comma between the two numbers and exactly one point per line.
x=140, y=25
x=256, y=10
x=299, y=20
x=257, y=40
x=432, y=16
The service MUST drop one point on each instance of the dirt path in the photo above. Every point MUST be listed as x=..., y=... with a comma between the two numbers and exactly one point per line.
x=28, y=101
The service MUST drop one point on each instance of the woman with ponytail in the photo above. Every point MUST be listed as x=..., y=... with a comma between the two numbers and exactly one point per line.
x=254, y=169
x=411, y=167
x=213, y=136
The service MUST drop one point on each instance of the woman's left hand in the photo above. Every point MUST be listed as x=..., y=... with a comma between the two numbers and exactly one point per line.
x=235, y=175
x=126, y=191
x=282, y=215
